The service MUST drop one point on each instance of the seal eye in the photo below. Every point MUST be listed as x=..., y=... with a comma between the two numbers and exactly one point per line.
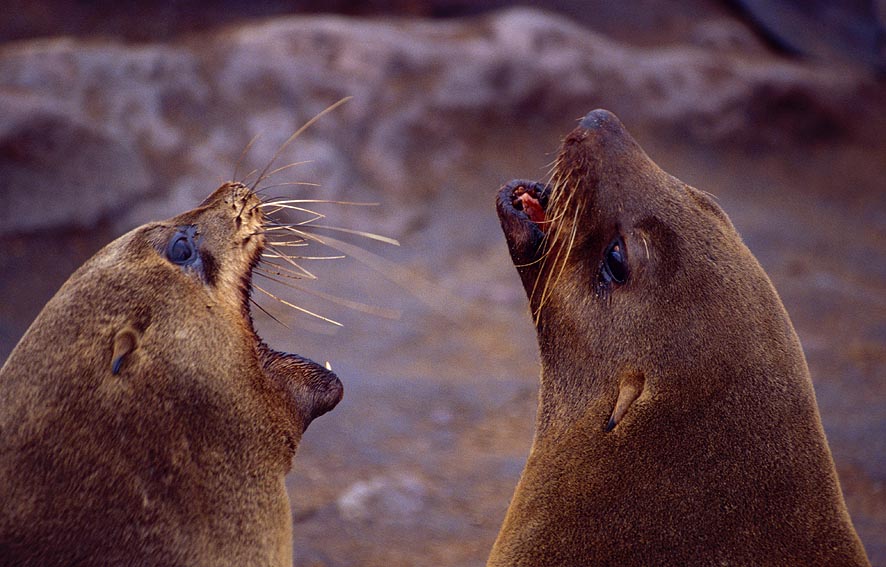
x=615, y=268
x=181, y=249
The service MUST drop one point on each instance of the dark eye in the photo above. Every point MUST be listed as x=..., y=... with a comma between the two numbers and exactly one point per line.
x=615, y=268
x=181, y=249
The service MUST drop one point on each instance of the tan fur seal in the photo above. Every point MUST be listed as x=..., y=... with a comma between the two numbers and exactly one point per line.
x=142, y=420
x=676, y=424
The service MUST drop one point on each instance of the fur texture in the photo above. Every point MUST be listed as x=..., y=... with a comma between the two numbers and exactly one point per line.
x=677, y=424
x=142, y=421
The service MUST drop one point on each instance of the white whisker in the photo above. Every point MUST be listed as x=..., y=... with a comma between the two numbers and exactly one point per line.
x=273, y=202
x=295, y=135
x=297, y=308
x=369, y=235
x=243, y=154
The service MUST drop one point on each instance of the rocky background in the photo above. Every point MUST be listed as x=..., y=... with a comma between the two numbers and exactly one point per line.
x=110, y=118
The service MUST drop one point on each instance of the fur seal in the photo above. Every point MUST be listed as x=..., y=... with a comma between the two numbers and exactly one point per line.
x=677, y=423
x=142, y=420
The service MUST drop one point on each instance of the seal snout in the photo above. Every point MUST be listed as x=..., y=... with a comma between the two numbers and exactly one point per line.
x=532, y=200
x=598, y=118
x=526, y=201
x=597, y=131
x=521, y=207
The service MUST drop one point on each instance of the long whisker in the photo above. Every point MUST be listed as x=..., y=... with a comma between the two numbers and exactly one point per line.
x=286, y=184
x=291, y=273
x=289, y=261
x=280, y=205
x=267, y=255
x=551, y=240
x=438, y=297
x=297, y=308
x=268, y=313
x=277, y=227
x=277, y=270
x=288, y=243
x=356, y=305
x=364, y=234
x=557, y=208
x=316, y=217
x=552, y=284
x=247, y=176
x=287, y=166
x=295, y=135
x=243, y=154
x=279, y=200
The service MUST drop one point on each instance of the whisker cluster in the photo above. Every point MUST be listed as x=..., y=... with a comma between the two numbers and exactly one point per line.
x=285, y=235
x=560, y=235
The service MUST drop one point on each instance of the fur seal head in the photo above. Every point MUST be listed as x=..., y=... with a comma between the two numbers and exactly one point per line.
x=677, y=422
x=143, y=420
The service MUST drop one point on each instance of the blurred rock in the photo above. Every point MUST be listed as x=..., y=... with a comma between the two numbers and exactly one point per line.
x=58, y=171
x=156, y=119
x=727, y=35
x=849, y=31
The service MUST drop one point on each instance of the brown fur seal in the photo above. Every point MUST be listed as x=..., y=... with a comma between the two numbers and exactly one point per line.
x=142, y=420
x=676, y=424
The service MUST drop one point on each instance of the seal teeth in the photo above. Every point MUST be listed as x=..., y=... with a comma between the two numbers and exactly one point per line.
x=328, y=366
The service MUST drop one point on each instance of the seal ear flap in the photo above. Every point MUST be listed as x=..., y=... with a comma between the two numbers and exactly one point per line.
x=629, y=389
x=125, y=341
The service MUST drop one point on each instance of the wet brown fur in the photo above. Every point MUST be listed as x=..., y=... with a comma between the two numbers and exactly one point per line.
x=179, y=457
x=677, y=424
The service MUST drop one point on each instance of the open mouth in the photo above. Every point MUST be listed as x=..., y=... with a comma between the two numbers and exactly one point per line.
x=532, y=200
x=314, y=388
x=526, y=201
x=522, y=211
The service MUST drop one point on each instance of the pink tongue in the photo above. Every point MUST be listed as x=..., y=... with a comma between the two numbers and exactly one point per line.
x=533, y=209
